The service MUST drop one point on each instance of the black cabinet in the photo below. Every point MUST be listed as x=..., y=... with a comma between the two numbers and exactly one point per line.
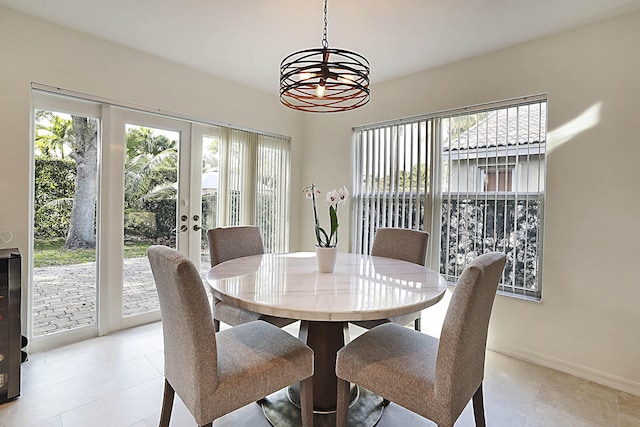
x=10, y=330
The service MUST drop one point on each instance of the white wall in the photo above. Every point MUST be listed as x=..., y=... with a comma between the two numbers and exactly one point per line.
x=589, y=320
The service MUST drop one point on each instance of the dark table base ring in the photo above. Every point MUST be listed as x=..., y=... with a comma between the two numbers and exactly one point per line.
x=282, y=409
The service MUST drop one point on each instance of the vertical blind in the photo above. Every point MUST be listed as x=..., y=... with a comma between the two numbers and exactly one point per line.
x=273, y=190
x=391, y=177
x=255, y=177
x=473, y=178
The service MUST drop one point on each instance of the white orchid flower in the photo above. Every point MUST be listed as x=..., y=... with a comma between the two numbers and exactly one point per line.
x=327, y=238
x=310, y=190
x=343, y=194
x=332, y=197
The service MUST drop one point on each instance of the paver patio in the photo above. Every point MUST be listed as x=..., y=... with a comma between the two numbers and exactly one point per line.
x=64, y=297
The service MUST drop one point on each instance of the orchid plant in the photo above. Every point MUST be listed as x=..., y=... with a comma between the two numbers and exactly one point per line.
x=334, y=198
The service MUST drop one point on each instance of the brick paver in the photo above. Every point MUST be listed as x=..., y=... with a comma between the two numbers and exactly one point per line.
x=64, y=297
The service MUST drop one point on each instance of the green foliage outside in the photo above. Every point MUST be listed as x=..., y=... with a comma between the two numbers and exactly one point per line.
x=54, y=189
x=471, y=227
x=149, y=194
x=150, y=203
x=149, y=212
x=402, y=180
x=54, y=133
x=151, y=174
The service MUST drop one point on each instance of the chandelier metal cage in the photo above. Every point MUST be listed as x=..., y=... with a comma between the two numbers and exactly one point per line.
x=324, y=80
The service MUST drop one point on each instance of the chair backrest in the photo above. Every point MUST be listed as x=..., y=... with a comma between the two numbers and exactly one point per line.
x=401, y=243
x=190, y=352
x=227, y=243
x=463, y=340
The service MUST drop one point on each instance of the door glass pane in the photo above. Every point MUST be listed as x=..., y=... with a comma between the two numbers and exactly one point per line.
x=64, y=233
x=210, y=180
x=151, y=177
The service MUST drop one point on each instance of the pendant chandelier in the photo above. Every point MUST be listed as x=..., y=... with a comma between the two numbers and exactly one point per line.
x=324, y=80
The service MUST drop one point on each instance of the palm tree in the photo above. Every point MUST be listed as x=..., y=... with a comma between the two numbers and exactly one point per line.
x=150, y=174
x=53, y=133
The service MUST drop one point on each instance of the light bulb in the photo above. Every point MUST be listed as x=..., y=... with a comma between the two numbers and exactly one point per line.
x=305, y=76
x=346, y=78
x=320, y=90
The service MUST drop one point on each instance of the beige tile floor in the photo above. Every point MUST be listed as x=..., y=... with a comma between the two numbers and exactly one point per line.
x=117, y=380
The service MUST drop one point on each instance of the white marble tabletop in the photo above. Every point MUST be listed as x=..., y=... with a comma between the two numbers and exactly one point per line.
x=361, y=287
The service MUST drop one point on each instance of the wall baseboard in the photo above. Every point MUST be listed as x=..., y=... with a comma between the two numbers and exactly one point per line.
x=602, y=378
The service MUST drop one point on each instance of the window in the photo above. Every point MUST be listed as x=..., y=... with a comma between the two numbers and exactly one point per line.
x=473, y=178
x=497, y=178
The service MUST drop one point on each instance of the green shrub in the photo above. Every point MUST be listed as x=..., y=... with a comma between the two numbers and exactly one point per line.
x=54, y=186
x=164, y=211
x=140, y=224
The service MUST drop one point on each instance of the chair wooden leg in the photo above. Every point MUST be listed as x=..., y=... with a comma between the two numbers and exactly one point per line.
x=306, y=402
x=478, y=407
x=342, y=408
x=417, y=324
x=216, y=325
x=167, y=404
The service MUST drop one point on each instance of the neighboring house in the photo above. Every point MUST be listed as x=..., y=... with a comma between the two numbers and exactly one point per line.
x=503, y=152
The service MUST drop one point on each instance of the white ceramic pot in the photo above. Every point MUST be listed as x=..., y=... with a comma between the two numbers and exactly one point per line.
x=326, y=259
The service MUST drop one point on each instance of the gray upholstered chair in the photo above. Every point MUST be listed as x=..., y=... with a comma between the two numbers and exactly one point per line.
x=433, y=378
x=406, y=245
x=216, y=373
x=227, y=243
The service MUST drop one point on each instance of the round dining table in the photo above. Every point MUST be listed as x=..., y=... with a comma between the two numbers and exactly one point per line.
x=360, y=288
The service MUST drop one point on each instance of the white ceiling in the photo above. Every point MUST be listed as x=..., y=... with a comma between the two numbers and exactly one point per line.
x=245, y=40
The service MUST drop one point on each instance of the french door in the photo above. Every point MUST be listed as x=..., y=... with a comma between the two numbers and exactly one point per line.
x=154, y=204
x=148, y=190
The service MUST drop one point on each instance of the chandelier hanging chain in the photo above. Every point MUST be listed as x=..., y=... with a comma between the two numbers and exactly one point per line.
x=325, y=42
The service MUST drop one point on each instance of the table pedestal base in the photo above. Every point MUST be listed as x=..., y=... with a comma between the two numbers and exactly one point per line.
x=282, y=409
